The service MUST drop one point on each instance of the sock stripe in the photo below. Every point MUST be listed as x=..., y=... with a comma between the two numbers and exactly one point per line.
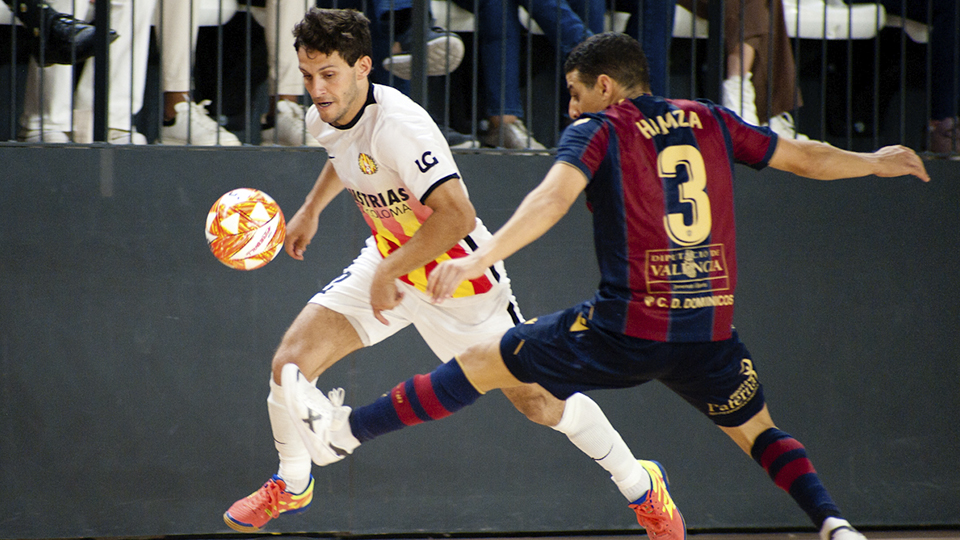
x=428, y=398
x=785, y=460
x=777, y=448
x=774, y=469
x=402, y=405
x=413, y=396
x=790, y=472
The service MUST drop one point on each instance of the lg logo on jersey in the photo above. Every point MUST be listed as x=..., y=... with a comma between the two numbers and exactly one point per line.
x=428, y=162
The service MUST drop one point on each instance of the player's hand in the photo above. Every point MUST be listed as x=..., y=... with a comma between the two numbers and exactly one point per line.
x=900, y=161
x=449, y=274
x=384, y=295
x=300, y=231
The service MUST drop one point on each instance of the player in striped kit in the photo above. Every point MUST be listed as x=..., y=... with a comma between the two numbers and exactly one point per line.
x=658, y=176
x=390, y=156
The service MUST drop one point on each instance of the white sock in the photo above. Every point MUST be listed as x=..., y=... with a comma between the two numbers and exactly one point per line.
x=584, y=423
x=295, y=463
x=739, y=95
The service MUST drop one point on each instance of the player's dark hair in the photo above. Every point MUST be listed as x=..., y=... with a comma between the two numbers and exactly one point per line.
x=327, y=31
x=613, y=54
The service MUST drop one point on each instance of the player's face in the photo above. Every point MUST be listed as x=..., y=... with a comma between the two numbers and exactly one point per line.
x=337, y=89
x=583, y=98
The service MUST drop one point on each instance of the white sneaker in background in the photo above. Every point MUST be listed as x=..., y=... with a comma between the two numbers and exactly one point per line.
x=288, y=128
x=444, y=53
x=739, y=95
x=193, y=125
x=44, y=136
x=782, y=124
x=122, y=136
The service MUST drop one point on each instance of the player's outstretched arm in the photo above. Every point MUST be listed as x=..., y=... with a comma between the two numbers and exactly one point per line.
x=453, y=218
x=820, y=161
x=540, y=210
x=303, y=225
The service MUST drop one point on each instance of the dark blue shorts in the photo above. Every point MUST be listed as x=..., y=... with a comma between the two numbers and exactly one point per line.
x=565, y=354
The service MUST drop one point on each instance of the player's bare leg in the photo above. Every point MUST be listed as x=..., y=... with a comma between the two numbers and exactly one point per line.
x=536, y=404
x=317, y=339
x=786, y=462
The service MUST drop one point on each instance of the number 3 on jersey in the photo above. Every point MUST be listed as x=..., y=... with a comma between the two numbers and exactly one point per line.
x=691, y=191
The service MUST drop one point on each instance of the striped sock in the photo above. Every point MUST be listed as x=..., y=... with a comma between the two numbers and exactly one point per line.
x=421, y=398
x=785, y=460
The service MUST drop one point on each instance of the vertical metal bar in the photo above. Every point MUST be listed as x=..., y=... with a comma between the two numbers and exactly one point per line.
x=74, y=67
x=160, y=102
x=392, y=35
x=101, y=71
x=218, y=108
x=248, y=97
x=823, y=75
x=13, y=75
x=928, y=78
x=420, y=20
x=903, y=74
x=876, y=85
x=276, y=70
x=955, y=134
x=693, y=52
x=446, y=76
x=796, y=63
x=133, y=47
x=192, y=47
x=503, y=71
x=849, y=84
x=770, y=41
x=529, y=72
x=558, y=69
x=43, y=73
x=715, y=50
x=743, y=68
x=474, y=91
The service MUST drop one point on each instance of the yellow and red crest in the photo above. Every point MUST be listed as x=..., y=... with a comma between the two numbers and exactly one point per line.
x=367, y=164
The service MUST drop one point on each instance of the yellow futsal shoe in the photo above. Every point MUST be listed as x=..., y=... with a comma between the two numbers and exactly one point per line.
x=251, y=513
x=656, y=511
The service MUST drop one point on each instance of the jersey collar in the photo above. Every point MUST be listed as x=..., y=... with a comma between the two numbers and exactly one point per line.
x=370, y=101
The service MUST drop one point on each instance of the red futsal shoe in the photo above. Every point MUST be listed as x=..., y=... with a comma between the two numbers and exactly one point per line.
x=252, y=512
x=656, y=511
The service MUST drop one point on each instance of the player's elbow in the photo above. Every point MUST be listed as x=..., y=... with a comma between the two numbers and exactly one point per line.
x=464, y=221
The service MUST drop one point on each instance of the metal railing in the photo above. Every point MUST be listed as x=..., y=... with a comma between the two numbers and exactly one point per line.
x=865, y=75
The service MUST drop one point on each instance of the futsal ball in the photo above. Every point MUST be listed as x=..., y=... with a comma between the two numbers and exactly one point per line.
x=245, y=229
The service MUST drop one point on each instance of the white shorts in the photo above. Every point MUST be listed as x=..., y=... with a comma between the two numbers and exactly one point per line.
x=448, y=328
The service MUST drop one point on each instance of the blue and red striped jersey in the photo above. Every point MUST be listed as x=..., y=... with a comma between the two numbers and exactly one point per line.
x=660, y=186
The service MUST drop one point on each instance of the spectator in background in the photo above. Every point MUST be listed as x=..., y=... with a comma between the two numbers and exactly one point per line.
x=654, y=37
x=444, y=49
x=59, y=38
x=942, y=130
x=392, y=55
x=47, y=112
x=187, y=122
x=744, y=90
x=499, y=29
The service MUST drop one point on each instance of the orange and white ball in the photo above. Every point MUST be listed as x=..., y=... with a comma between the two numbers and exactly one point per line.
x=245, y=229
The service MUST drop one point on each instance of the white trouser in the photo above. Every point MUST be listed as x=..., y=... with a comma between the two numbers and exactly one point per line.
x=128, y=73
x=48, y=92
x=179, y=42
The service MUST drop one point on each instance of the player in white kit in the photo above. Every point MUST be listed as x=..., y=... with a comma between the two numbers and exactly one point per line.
x=386, y=151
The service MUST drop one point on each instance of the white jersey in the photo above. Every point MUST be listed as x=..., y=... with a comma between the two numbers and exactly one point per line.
x=390, y=158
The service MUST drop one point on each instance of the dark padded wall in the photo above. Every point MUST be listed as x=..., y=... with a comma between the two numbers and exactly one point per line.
x=133, y=365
